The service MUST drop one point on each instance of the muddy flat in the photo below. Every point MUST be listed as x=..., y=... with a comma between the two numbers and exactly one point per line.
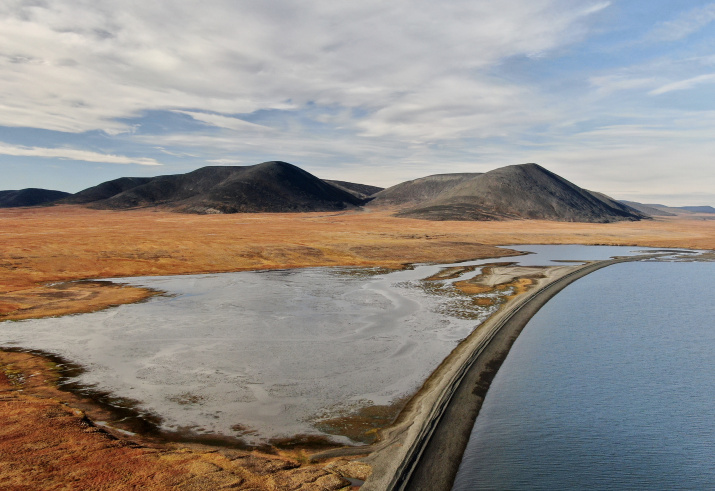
x=260, y=356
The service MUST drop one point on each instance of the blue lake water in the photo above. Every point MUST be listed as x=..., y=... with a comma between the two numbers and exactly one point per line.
x=610, y=386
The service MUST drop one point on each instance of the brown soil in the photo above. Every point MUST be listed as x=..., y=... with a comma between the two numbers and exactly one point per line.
x=450, y=273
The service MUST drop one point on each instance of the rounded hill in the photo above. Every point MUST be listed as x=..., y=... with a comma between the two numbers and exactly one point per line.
x=526, y=191
x=29, y=197
x=268, y=187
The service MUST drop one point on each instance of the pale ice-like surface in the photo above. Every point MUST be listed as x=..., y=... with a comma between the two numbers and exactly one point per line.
x=271, y=351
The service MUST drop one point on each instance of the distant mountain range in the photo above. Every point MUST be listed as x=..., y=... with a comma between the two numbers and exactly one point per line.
x=526, y=191
x=698, y=209
x=648, y=209
x=662, y=210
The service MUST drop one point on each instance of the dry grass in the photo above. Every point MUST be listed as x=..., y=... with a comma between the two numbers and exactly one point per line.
x=61, y=244
x=67, y=243
x=66, y=298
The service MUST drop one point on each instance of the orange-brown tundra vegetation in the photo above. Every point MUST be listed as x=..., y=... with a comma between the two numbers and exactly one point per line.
x=41, y=249
x=46, y=442
x=47, y=254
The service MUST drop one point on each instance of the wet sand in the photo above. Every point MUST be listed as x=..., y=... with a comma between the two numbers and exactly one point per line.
x=85, y=433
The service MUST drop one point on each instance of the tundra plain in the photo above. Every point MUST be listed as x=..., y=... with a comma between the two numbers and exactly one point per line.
x=52, y=261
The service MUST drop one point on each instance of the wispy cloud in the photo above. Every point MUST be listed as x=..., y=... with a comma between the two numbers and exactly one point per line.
x=666, y=153
x=684, y=84
x=73, y=154
x=75, y=72
x=224, y=162
x=685, y=24
x=227, y=122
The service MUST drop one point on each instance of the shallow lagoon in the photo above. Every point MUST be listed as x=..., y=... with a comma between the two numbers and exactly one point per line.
x=261, y=355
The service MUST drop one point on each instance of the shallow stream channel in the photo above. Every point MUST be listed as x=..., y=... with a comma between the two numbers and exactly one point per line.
x=258, y=357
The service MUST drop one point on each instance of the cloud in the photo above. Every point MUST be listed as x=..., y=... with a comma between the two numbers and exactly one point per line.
x=371, y=90
x=666, y=153
x=684, y=84
x=226, y=122
x=81, y=65
x=224, y=162
x=685, y=24
x=72, y=154
x=453, y=108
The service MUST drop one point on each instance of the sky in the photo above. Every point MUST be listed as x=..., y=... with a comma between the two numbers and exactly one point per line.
x=616, y=96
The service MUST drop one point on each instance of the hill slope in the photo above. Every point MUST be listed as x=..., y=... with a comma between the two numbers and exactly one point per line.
x=360, y=190
x=419, y=190
x=105, y=190
x=29, y=197
x=267, y=187
x=521, y=191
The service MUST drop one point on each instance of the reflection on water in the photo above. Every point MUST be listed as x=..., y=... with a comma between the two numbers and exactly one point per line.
x=610, y=386
x=265, y=354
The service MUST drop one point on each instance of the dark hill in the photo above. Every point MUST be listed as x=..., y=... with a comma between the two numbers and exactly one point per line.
x=419, y=190
x=105, y=190
x=522, y=191
x=360, y=190
x=267, y=187
x=29, y=197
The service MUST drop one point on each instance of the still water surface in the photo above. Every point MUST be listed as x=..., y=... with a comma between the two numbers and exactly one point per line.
x=610, y=386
